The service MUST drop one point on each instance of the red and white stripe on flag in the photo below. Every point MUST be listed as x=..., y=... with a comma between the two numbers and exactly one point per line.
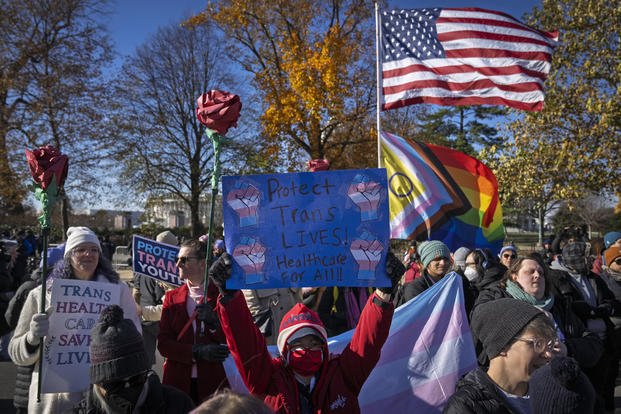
x=466, y=56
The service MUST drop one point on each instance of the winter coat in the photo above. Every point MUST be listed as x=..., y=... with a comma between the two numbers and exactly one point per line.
x=23, y=354
x=160, y=399
x=582, y=345
x=177, y=347
x=340, y=378
x=476, y=393
x=268, y=306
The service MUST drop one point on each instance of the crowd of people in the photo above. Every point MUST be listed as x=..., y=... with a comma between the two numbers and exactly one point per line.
x=546, y=326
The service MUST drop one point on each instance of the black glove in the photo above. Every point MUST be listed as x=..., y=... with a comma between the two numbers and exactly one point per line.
x=394, y=269
x=206, y=314
x=220, y=271
x=210, y=352
x=604, y=310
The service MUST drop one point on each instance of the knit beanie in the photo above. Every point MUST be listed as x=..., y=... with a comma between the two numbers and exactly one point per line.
x=574, y=256
x=117, y=349
x=299, y=317
x=167, y=237
x=430, y=250
x=560, y=387
x=459, y=257
x=77, y=236
x=507, y=247
x=611, y=254
x=610, y=238
x=218, y=244
x=497, y=322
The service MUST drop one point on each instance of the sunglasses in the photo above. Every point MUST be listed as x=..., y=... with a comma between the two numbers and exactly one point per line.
x=509, y=256
x=112, y=387
x=182, y=260
x=617, y=261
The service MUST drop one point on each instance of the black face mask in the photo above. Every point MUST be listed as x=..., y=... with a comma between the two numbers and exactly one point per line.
x=122, y=395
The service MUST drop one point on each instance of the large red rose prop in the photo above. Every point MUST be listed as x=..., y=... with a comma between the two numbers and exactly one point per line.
x=46, y=163
x=218, y=110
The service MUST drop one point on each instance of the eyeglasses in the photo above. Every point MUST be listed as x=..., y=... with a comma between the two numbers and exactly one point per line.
x=182, y=260
x=509, y=256
x=112, y=387
x=83, y=251
x=539, y=344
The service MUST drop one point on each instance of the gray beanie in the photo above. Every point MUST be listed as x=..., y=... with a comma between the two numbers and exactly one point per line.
x=167, y=237
x=497, y=322
x=459, y=257
x=117, y=349
x=433, y=249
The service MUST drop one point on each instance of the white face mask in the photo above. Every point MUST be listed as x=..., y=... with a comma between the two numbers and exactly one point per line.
x=471, y=273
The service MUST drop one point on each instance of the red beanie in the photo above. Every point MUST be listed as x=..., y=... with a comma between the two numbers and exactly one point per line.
x=297, y=318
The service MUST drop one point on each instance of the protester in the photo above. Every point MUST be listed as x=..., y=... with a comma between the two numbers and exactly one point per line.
x=526, y=280
x=596, y=259
x=518, y=339
x=507, y=255
x=151, y=300
x=228, y=402
x=218, y=248
x=82, y=261
x=459, y=258
x=561, y=388
x=611, y=273
x=612, y=238
x=483, y=269
x=120, y=375
x=190, y=336
x=305, y=378
x=435, y=258
x=595, y=304
x=23, y=374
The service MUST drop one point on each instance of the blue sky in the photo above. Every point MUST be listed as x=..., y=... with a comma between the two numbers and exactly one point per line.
x=133, y=21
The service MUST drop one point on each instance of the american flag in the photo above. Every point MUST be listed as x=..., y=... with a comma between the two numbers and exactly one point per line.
x=466, y=56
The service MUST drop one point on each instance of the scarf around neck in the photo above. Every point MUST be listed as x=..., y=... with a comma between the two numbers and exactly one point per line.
x=517, y=292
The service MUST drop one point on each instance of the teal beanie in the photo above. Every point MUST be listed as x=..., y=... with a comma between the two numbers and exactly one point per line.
x=433, y=249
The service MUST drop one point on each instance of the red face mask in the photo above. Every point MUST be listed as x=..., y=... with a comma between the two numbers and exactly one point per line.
x=305, y=362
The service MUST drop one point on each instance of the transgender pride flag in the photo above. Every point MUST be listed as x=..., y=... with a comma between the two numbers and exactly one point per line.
x=428, y=349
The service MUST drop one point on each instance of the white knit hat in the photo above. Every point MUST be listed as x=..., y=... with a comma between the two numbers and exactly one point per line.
x=77, y=236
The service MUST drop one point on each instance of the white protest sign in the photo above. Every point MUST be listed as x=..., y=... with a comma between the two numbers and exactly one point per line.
x=76, y=307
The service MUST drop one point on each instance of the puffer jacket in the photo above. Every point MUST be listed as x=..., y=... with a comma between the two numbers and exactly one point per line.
x=476, y=393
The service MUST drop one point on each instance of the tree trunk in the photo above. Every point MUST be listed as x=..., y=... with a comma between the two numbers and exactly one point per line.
x=540, y=212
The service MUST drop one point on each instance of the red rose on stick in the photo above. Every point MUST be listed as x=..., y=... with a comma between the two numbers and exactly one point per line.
x=218, y=110
x=46, y=163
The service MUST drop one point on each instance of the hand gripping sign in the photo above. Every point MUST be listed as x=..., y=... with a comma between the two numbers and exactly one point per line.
x=326, y=228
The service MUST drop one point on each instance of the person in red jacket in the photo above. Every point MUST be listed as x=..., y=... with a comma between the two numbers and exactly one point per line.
x=190, y=337
x=305, y=378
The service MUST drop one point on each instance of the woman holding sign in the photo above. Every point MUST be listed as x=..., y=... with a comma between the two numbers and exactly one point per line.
x=82, y=261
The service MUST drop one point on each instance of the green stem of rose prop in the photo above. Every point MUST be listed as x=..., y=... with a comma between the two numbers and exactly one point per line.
x=48, y=168
x=217, y=111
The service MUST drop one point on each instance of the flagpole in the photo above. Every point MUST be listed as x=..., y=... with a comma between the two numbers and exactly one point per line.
x=378, y=76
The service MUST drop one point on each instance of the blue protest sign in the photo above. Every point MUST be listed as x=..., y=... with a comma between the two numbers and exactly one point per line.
x=327, y=228
x=156, y=260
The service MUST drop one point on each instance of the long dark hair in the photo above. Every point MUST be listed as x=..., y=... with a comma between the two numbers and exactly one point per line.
x=63, y=269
